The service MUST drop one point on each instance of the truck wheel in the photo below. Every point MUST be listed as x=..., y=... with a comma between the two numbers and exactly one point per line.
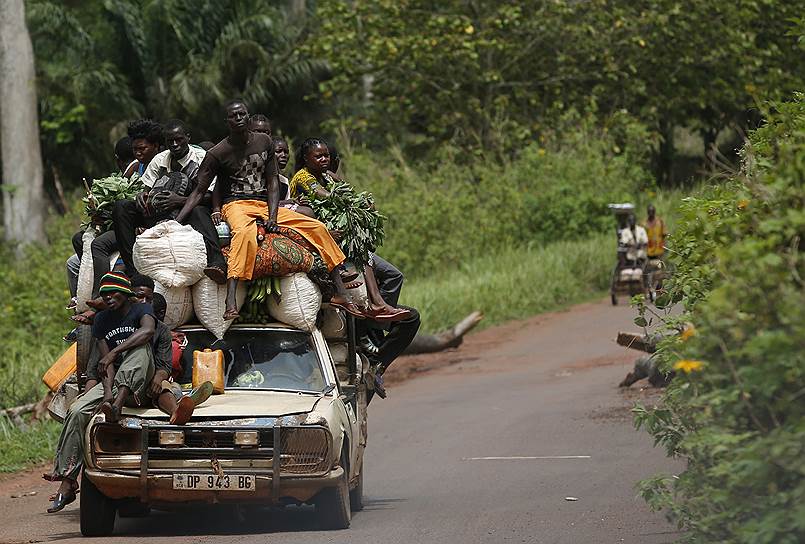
x=356, y=495
x=332, y=504
x=97, y=511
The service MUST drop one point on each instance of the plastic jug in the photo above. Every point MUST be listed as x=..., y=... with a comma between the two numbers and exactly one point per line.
x=208, y=365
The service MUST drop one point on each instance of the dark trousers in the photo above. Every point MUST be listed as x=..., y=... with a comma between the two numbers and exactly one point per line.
x=399, y=337
x=127, y=218
x=400, y=333
x=102, y=248
x=389, y=280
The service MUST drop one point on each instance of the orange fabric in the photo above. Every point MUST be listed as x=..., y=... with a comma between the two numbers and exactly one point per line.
x=242, y=215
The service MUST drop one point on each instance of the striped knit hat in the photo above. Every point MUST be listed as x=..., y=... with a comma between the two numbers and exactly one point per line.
x=116, y=281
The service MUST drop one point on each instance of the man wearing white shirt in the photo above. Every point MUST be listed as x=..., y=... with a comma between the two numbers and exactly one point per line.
x=634, y=240
x=169, y=178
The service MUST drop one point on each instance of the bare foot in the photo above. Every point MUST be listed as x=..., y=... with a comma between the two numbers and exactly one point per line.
x=231, y=313
x=84, y=318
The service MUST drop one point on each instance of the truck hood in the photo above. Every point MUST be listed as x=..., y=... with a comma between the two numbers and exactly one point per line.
x=242, y=404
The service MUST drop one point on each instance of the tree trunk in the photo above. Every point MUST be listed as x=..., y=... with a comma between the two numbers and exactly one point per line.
x=23, y=202
x=451, y=338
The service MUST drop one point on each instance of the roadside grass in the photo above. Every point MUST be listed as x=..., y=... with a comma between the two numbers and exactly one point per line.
x=514, y=283
x=24, y=447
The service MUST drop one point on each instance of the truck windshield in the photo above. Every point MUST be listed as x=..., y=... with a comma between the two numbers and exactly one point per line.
x=260, y=359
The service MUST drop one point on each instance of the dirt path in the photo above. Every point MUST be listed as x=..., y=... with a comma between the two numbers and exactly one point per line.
x=480, y=444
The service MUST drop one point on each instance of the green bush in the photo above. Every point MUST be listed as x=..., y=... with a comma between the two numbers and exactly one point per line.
x=446, y=214
x=736, y=411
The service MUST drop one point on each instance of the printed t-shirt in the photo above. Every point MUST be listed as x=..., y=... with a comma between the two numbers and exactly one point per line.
x=241, y=172
x=656, y=234
x=163, y=163
x=114, y=329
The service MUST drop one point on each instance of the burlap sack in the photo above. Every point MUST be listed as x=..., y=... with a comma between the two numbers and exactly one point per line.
x=179, y=304
x=172, y=254
x=299, y=304
x=209, y=302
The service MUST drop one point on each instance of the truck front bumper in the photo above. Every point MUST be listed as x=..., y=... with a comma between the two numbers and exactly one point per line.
x=158, y=488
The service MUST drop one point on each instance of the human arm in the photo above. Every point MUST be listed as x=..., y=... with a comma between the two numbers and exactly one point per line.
x=272, y=182
x=206, y=173
x=102, y=372
x=140, y=337
x=163, y=354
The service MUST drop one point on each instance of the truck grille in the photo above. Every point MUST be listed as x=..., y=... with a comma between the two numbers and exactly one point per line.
x=303, y=451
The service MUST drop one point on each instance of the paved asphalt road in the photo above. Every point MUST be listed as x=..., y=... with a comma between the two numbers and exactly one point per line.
x=485, y=447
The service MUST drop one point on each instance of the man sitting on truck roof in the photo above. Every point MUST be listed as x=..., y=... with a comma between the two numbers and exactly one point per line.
x=247, y=189
x=169, y=179
x=123, y=333
x=142, y=373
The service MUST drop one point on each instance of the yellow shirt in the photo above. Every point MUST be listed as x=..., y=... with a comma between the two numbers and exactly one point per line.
x=656, y=237
x=303, y=183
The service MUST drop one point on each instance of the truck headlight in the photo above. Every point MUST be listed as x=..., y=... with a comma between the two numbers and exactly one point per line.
x=171, y=438
x=114, y=439
x=247, y=438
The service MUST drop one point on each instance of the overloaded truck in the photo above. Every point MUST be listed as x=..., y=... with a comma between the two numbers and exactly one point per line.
x=289, y=428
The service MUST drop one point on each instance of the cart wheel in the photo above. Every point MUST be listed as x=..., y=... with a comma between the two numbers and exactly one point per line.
x=614, y=299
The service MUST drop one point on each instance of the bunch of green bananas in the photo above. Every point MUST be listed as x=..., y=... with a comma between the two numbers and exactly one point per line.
x=255, y=310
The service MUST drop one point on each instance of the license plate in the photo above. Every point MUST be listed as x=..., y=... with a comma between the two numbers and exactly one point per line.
x=206, y=482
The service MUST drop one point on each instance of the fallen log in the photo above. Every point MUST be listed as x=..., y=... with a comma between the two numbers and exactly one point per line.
x=451, y=338
x=637, y=341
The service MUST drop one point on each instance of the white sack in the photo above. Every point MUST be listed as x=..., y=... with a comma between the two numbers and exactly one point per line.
x=86, y=275
x=299, y=304
x=172, y=254
x=209, y=302
x=179, y=304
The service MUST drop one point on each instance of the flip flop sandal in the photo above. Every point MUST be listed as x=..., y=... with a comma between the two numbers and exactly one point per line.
x=183, y=412
x=349, y=307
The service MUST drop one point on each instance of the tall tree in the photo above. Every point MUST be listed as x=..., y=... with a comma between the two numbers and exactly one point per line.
x=23, y=205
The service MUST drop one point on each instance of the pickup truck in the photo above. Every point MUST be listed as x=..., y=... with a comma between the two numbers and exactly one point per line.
x=290, y=428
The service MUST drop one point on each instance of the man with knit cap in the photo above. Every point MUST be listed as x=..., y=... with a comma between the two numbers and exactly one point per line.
x=123, y=333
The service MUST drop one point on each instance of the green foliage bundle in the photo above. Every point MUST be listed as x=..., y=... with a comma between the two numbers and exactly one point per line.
x=100, y=201
x=354, y=215
x=736, y=411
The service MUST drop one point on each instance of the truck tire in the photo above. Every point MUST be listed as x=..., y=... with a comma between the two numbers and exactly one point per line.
x=332, y=503
x=97, y=511
x=356, y=495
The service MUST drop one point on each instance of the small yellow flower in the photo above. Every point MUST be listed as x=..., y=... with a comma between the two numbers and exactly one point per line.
x=641, y=42
x=469, y=29
x=541, y=152
x=742, y=204
x=687, y=366
x=688, y=332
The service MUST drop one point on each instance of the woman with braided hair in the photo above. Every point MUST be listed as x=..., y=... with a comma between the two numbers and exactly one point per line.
x=313, y=179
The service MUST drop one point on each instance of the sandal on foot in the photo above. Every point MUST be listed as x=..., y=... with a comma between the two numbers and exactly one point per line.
x=348, y=306
x=60, y=501
x=353, y=284
x=84, y=318
x=216, y=274
x=201, y=393
x=183, y=412
x=395, y=314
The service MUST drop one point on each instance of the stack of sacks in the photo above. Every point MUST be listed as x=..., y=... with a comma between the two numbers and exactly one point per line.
x=299, y=303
